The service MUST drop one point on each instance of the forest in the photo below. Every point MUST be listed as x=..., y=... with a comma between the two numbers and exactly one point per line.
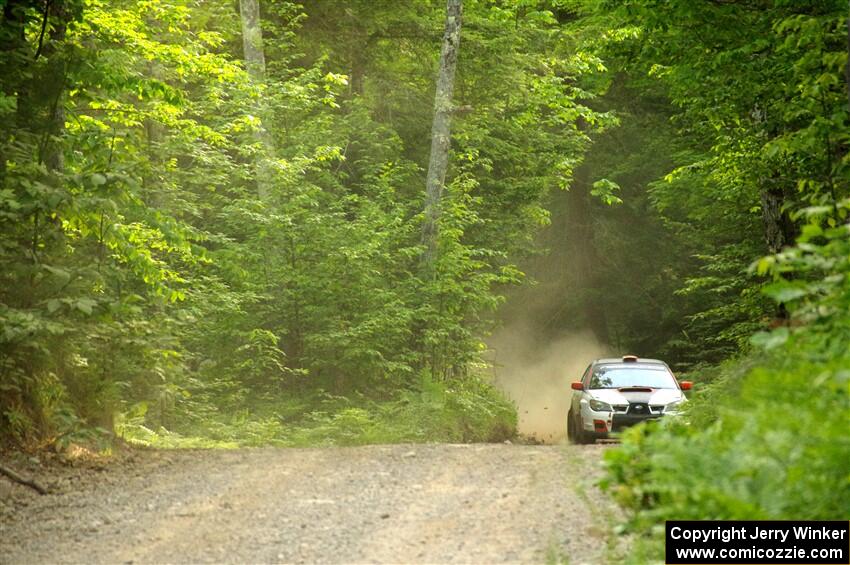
x=268, y=222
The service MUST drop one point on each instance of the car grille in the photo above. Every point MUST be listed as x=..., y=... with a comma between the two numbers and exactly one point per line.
x=626, y=415
x=638, y=408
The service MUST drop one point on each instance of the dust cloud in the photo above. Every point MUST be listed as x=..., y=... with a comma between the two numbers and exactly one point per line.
x=550, y=326
x=535, y=371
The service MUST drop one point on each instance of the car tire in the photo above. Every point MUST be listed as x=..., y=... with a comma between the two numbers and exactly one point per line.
x=578, y=436
x=582, y=435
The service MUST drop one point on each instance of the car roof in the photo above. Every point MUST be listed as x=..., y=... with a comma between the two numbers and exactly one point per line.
x=640, y=362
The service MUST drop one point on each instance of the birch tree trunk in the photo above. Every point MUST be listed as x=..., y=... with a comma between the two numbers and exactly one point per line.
x=441, y=131
x=255, y=63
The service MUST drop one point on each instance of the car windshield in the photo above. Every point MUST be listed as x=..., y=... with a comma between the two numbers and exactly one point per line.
x=619, y=377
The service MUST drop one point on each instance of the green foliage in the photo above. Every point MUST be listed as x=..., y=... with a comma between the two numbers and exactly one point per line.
x=733, y=127
x=605, y=190
x=737, y=456
x=140, y=265
x=755, y=198
x=468, y=411
x=192, y=257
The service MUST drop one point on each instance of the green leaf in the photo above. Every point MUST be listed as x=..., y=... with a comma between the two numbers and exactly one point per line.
x=61, y=274
x=785, y=291
x=604, y=189
x=85, y=305
x=770, y=340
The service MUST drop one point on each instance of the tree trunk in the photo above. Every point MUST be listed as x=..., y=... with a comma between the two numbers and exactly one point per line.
x=779, y=230
x=255, y=63
x=40, y=112
x=13, y=45
x=771, y=213
x=358, y=64
x=51, y=151
x=441, y=131
x=847, y=65
x=583, y=253
x=252, y=39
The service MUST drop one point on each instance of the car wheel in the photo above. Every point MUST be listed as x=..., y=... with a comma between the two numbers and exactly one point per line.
x=580, y=435
x=575, y=431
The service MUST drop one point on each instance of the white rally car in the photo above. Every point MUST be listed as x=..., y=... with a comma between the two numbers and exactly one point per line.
x=614, y=394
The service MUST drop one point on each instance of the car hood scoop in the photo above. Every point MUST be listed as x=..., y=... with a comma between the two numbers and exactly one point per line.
x=636, y=389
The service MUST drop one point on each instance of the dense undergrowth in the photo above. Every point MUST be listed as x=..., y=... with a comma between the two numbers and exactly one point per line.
x=467, y=411
x=767, y=440
x=766, y=436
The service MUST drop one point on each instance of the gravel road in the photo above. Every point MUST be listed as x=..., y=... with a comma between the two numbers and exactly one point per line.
x=475, y=503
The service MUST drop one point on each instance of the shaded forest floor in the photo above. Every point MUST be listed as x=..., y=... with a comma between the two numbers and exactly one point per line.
x=401, y=503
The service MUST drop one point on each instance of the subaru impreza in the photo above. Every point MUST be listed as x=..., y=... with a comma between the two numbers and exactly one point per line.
x=614, y=394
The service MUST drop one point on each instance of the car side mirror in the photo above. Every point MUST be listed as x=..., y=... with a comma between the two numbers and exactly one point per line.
x=686, y=385
x=577, y=385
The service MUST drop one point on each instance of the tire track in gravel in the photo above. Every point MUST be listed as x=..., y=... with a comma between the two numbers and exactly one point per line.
x=479, y=503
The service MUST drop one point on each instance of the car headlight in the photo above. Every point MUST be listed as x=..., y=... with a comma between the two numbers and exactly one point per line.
x=599, y=406
x=673, y=406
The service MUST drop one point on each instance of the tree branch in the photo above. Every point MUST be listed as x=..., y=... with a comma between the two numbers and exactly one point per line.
x=43, y=29
x=22, y=480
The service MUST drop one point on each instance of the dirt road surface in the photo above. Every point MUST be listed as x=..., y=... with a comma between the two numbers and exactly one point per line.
x=376, y=504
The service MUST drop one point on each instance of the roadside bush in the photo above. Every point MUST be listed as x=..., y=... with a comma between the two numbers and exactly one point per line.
x=767, y=440
x=468, y=410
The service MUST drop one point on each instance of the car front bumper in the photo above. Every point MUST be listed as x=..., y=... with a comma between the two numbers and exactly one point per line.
x=602, y=423
x=623, y=421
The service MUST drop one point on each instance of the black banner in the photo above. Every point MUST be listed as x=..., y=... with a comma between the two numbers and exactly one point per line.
x=764, y=543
